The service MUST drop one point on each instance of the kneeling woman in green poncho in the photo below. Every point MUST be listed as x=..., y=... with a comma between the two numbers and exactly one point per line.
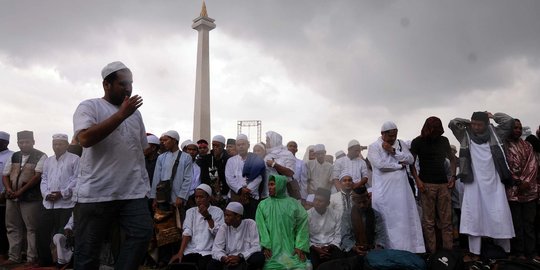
x=283, y=228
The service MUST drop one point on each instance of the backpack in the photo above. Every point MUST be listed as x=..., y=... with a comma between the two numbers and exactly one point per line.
x=392, y=259
x=445, y=260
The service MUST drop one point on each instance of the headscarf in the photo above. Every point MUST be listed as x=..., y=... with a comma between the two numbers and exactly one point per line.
x=432, y=128
x=275, y=140
x=278, y=152
x=306, y=154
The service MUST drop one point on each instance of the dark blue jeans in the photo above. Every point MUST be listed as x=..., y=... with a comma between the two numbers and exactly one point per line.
x=93, y=222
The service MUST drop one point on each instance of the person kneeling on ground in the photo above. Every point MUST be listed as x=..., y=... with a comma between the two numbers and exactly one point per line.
x=324, y=229
x=236, y=245
x=200, y=227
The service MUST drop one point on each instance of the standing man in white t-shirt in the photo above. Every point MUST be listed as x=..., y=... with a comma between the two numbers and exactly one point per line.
x=113, y=181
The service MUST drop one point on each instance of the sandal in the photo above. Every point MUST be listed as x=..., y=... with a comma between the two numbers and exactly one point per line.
x=478, y=265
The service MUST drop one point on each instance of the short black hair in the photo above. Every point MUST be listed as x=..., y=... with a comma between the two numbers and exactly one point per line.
x=202, y=141
x=360, y=190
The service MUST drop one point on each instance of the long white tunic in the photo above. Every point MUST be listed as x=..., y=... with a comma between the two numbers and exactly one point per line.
x=202, y=236
x=60, y=240
x=59, y=175
x=233, y=241
x=338, y=201
x=235, y=180
x=195, y=178
x=300, y=175
x=393, y=199
x=319, y=175
x=357, y=167
x=485, y=210
x=324, y=229
x=281, y=156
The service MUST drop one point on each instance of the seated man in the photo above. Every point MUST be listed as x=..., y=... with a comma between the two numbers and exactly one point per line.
x=368, y=232
x=367, y=223
x=341, y=203
x=324, y=229
x=64, y=245
x=200, y=227
x=236, y=245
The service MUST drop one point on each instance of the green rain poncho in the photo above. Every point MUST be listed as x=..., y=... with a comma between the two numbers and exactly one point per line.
x=283, y=226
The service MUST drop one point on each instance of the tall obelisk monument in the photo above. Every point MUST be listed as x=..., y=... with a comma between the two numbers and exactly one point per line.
x=201, y=124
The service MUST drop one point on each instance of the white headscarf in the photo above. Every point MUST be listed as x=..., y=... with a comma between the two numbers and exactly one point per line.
x=306, y=154
x=277, y=151
x=275, y=140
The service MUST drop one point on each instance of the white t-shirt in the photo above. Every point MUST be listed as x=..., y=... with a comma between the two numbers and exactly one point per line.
x=114, y=168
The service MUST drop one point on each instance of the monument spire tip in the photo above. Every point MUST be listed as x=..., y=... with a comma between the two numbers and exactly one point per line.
x=204, y=13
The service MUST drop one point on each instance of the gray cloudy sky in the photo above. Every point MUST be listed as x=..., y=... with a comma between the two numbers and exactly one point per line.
x=314, y=71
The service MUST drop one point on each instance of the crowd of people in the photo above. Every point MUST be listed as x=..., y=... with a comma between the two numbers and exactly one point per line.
x=118, y=195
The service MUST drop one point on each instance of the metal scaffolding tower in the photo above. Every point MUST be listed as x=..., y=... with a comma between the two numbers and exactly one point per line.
x=248, y=124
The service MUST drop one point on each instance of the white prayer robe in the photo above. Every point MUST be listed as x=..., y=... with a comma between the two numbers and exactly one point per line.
x=337, y=201
x=357, y=167
x=202, y=236
x=300, y=175
x=319, y=175
x=339, y=164
x=59, y=175
x=233, y=241
x=64, y=254
x=393, y=199
x=281, y=156
x=324, y=229
x=235, y=180
x=195, y=178
x=485, y=210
